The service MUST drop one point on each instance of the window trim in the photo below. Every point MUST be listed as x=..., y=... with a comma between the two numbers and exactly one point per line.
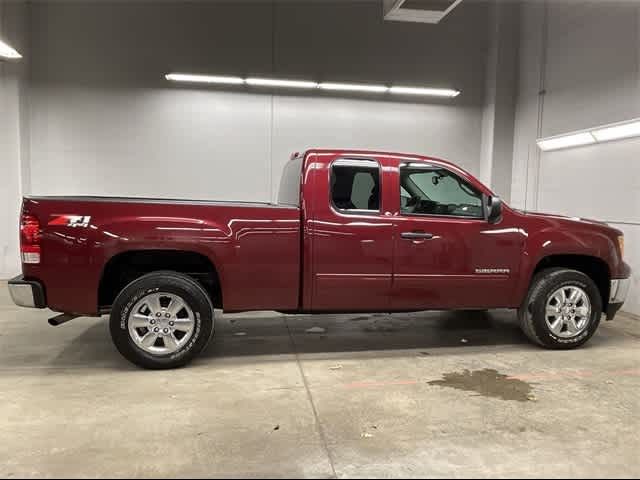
x=355, y=162
x=431, y=166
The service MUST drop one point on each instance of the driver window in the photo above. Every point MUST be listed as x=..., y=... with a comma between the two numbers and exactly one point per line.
x=437, y=191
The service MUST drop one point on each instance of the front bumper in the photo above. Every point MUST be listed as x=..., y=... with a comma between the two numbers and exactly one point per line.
x=27, y=293
x=618, y=294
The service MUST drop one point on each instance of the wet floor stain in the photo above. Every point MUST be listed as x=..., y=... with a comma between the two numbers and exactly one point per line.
x=488, y=383
x=380, y=327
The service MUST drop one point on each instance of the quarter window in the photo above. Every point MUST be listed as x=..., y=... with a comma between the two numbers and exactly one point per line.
x=437, y=191
x=355, y=185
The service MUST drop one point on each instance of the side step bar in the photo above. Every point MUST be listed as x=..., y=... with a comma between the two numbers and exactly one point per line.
x=62, y=318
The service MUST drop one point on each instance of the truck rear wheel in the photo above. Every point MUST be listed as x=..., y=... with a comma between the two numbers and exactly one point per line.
x=162, y=320
x=562, y=309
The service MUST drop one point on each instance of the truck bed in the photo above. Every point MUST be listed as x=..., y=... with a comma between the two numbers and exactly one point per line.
x=253, y=247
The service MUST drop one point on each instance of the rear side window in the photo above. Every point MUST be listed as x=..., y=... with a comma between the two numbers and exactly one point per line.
x=289, y=193
x=355, y=185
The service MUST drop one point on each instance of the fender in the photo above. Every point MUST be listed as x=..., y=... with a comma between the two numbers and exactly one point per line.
x=129, y=234
x=549, y=235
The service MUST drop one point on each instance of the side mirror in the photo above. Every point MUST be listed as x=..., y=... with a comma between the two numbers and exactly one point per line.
x=494, y=209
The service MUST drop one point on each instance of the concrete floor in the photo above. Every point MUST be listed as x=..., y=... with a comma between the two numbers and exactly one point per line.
x=411, y=395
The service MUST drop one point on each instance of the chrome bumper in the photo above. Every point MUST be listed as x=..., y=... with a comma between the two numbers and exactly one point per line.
x=618, y=294
x=619, y=289
x=26, y=293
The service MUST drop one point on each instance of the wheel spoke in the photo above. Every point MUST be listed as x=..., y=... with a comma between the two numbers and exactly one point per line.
x=558, y=298
x=184, y=324
x=574, y=295
x=153, y=302
x=552, y=311
x=149, y=339
x=571, y=326
x=175, y=306
x=170, y=342
x=139, y=320
x=582, y=311
x=563, y=295
x=556, y=326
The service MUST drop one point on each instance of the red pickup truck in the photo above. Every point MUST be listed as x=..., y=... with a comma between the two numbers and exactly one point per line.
x=352, y=231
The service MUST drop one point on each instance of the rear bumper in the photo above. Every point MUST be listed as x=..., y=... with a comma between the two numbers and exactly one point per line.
x=27, y=293
x=618, y=294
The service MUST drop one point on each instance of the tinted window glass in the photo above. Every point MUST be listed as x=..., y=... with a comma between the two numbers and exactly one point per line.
x=438, y=191
x=355, y=185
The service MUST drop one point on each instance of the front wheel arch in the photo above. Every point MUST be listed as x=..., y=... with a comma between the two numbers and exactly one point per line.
x=594, y=267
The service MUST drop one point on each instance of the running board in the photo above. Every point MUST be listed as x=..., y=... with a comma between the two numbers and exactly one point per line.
x=62, y=318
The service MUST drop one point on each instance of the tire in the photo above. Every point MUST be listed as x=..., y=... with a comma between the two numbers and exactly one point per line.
x=537, y=323
x=191, y=326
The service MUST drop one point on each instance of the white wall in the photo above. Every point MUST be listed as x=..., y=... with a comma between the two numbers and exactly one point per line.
x=585, y=56
x=101, y=119
x=12, y=142
x=498, y=114
x=104, y=120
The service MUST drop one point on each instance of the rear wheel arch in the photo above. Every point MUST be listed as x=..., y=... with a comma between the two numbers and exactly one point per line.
x=125, y=267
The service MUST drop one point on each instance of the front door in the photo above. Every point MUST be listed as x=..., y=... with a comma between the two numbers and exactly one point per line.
x=447, y=255
x=352, y=239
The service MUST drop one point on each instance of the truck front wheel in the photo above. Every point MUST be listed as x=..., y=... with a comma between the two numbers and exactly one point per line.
x=562, y=309
x=162, y=320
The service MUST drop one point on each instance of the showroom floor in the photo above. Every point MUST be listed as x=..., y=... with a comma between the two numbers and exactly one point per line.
x=427, y=394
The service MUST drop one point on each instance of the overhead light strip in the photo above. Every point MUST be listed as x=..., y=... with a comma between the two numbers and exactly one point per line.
x=600, y=134
x=184, y=77
x=305, y=84
x=353, y=87
x=7, y=51
x=274, y=82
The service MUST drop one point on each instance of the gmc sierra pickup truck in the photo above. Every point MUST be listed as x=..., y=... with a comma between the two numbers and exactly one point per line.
x=352, y=231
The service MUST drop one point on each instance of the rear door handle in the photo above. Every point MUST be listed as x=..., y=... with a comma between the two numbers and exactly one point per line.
x=416, y=235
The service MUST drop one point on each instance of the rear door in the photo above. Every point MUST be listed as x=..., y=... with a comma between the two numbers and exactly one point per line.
x=350, y=235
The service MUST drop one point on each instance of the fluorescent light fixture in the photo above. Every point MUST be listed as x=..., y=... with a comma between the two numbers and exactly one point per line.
x=184, y=77
x=614, y=132
x=436, y=92
x=274, y=82
x=566, y=141
x=354, y=87
x=282, y=83
x=7, y=51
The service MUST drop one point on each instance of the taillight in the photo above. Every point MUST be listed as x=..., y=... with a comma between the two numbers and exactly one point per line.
x=30, y=239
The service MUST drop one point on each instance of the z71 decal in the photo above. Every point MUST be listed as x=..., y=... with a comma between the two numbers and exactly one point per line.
x=71, y=220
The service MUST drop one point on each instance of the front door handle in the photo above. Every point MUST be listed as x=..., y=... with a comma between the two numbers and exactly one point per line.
x=416, y=235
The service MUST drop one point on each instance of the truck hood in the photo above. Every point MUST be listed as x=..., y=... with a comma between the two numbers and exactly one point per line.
x=583, y=222
x=562, y=217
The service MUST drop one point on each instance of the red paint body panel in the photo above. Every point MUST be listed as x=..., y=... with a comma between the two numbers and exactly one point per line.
x=315, y=258
x=255, y=248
